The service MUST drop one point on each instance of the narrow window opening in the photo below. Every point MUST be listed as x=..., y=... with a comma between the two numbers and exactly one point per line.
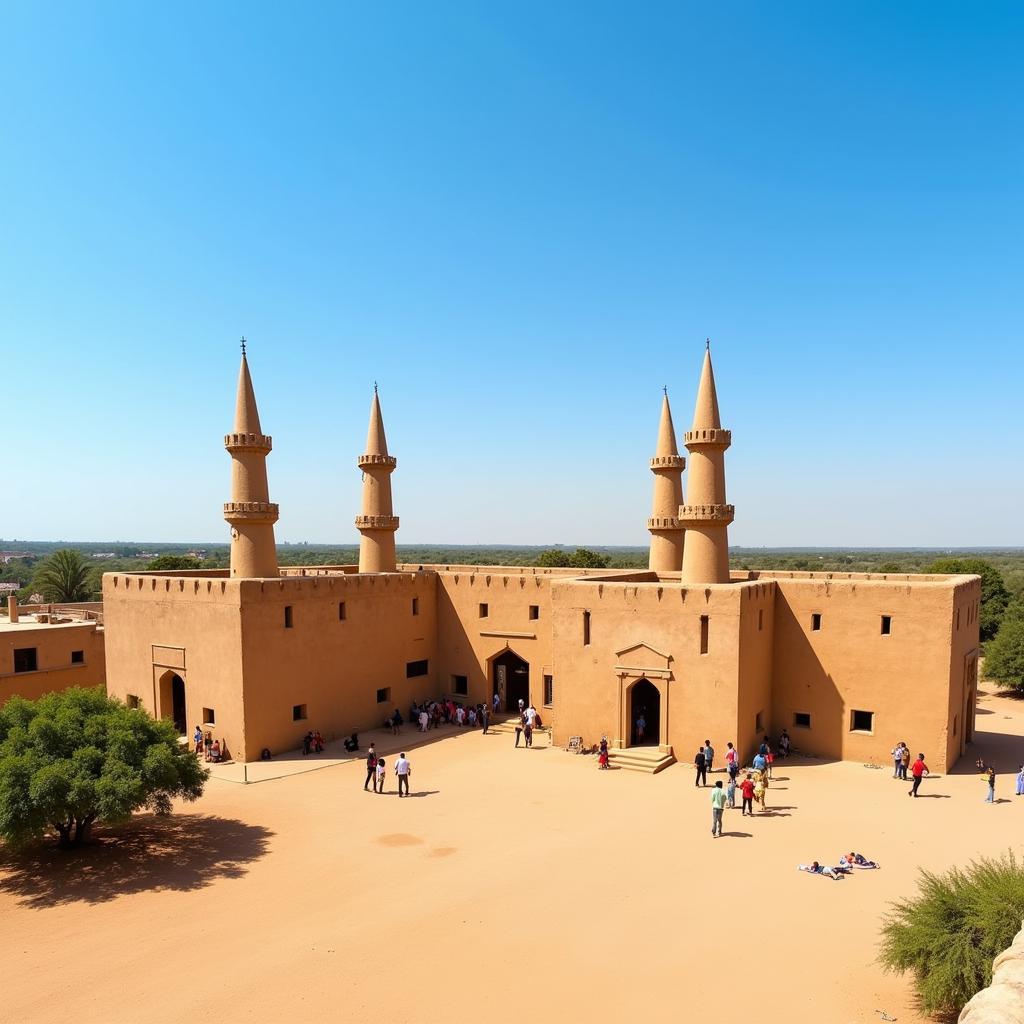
x=341, y=611
x=460, y=686
x=534, y=611
x=417, y=668
x=760, y=619
x=862, y=721
x=954, y=724
x=886, y=625
x=209, y=716
x=586, y=629
x=384, y=695
x=484, y=612
x=549, y=690
x=816, y=621
x=802, y=720
x=958, y=618
x=415, y=606
x=705, y=628
x=78, y=657
x=287, y=616
x=298, y=712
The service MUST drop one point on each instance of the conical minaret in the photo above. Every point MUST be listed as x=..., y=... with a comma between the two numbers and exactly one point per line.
x=706, y=516
x=667, y=467
x=376, y=522
x=250, y=512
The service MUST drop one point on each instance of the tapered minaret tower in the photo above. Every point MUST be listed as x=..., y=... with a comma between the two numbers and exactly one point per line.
x=250, y=512
x=706, y=516
x=376, y=522
x=667, y=467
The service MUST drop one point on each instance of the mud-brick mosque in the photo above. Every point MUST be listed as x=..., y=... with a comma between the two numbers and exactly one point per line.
x=848, y=663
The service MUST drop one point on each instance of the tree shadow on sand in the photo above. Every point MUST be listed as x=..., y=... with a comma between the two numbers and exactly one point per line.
x=148, y=854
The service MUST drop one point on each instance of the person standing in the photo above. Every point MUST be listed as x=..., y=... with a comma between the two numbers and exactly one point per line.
x=371, y=768
x=403, y=770
x=717, y=808
x=197, y=739
x=784, y=743
x=484, y=714
x=730, y=791
x=519, y=730
x=731, y=760
x=528, y=732
x=700, y=764
x=747, y=789
x=918, y=770
x=904, y=760
x=496, y=702
x=990, y=797
x=897, y=759
x=641, y=727
x=709, y=755
x=378, y=783
x=1020, y=780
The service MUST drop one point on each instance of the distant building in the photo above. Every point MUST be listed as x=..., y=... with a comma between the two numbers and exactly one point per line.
x=848, y=663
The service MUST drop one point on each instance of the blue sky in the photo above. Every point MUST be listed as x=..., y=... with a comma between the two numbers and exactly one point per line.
x=523, y=220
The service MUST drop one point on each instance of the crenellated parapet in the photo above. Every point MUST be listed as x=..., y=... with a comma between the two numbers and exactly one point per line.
x=656, y=523
x=251, y=511
x=721, y=515
x=261, y=443
x=376, y=522
x=374, y=461
x=668, y=462
x=708, y=436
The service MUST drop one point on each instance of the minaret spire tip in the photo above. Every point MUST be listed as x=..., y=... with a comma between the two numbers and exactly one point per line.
x=243, y=344
x=707, y=344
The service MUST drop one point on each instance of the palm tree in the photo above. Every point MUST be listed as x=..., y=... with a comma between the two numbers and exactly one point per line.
x=64, y=576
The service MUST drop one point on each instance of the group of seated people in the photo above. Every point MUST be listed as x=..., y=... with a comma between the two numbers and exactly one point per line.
x=847, y=862
x=312, y=742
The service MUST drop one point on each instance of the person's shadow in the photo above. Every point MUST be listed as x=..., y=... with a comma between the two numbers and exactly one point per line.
x=180, y=852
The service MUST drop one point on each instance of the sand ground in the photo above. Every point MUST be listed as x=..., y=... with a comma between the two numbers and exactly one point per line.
x=514, y=885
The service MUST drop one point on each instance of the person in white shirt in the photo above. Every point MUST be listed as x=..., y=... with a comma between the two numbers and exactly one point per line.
x=531, y=714
x=424, y=719
x=403, y=770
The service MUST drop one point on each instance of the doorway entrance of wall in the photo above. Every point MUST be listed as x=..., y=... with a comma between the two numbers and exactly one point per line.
x=172, y=701
x=510, y=677
x=645, y=705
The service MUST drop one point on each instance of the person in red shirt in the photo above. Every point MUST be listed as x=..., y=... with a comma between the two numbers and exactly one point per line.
x=918, y=769
x=747, y=788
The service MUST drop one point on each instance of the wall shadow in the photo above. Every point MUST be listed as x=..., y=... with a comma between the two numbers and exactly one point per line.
x=180, y=853
x=1004, y=750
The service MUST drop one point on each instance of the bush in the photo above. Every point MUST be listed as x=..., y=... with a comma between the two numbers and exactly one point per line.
x=78, y=756
x=949, y=934
x=1004, y=656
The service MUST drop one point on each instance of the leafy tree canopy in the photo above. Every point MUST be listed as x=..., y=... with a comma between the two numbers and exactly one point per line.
x=174, y=562
x=581, y=558
x=75, y=757
x=65, y=576
x=1004, y=656
x=949, y=934
x=994, y=595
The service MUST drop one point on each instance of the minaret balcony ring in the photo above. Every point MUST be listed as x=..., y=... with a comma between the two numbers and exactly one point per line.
x=708, y=435
x=386, y=461
x=719, y=514
x=266, y=511
x=662, y=523
x=248, y=442
x=668, y=462
x=376, y=522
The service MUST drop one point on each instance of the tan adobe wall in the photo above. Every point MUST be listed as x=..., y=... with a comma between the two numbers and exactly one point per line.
x=847, y=664
x=647, y=630
x=757, y=640
x=963, y=666
x=54, y=646
x=186, y=625
x=331, y=665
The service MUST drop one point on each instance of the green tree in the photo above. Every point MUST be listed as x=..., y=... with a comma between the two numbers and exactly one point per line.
x=949, y=934
x=1004, y=656
x=173, y=562
x=887, y=567
x=65, y=576
x=76, y=757
x=581, y=558
x=994, y=595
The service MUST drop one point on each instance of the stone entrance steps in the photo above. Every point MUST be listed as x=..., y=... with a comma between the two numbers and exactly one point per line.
x=641, y=759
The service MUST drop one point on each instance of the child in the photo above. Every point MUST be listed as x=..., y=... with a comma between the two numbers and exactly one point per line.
x=759, y=791
x=602, y=758
x=378, y=784
x=748, y=795
x=730, y=791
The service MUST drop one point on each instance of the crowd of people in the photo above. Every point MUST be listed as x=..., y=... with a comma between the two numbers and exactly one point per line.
x=432, y=714
x=206, y=746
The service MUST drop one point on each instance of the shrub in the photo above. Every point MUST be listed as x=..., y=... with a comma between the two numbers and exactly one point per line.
x=949, y=934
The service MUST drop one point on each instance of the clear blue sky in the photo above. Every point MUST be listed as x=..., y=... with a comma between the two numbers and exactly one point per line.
x=522, y=219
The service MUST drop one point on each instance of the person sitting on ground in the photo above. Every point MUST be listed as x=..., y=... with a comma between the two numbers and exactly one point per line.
x=352, y=743
x=815, y=868
x=318, y=742
x=857, y=860
x=215, y=752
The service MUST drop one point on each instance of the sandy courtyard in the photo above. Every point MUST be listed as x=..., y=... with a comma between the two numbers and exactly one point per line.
x=516, y=884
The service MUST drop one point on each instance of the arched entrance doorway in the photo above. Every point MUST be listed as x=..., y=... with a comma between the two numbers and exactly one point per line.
x=645, y=704
x=172, y=701
x=510, y=677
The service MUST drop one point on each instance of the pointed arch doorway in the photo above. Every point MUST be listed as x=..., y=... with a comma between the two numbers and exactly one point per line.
x=644, y=714
x=172, y=701
x=645, y=674
x=510, y=679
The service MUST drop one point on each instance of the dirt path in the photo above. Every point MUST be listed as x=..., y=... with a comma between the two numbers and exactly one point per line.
x=515, y=884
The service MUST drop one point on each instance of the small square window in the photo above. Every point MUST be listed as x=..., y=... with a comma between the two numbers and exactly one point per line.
x=816, y=622
x=549, y=690
x=534, y=611
x=209, y=717
x=460, y=685
x=299, y=713
x=862, y=721
x=25, y=659
x=886, y=625
x=341, y=611
x=132, y=701
x=417, y=668
x=384, y=695
x=415, y=606
x=483, y=610
x=78, y=657
x=802, y=720
x=287, y=616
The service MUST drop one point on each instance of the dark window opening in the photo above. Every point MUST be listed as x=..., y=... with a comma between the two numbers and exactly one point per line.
x=549, y=690
x=384, y=695
x=483, y=610
x=25, y=659
x=78, y=657
x=341, y=611
x=586, y=629
x=534, y=611
x=209, y=717
x=760, y=618
x=299, y=713
x=705, y=627
x=287, y=616
x=460, y=685
x=132, y=701
x=862, y=721
x=816, y=621
x=415, y=606
x=802, y=720
x=886, y=625
x=417, y=668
